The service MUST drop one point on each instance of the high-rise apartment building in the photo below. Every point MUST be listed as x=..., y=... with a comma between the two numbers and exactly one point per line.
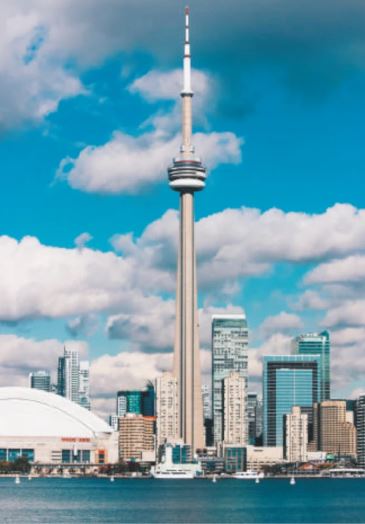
x=229, y=353
x=287, y=381
x=234, y=410
x=84, y=384
x=317, y=344
x=296, y=435
x=360, y=426
x=68, y=375
x=332, y=432
x=136, y=435
x=167, y=409
x=40, y=379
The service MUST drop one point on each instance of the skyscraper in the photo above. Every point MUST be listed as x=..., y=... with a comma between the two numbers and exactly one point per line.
x=129, y=401
x=84, y=384
x=40, y=379
x=229, y=353
x=167, y=409
x=235, y=410
x=148, y=400
x=332, y=431
x=207, y=405
x=68, y=376
x=287, y=381
x=360, y=426
x=187, y=175
x=317, y=344
x=296, y=435
x=254, y=415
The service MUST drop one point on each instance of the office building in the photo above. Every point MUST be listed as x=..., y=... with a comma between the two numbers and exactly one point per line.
x=254, y=418
x=148, y=400
x=68, y=375
x=136, y=436
x=234, y=410
x=288, y=380
x=187, y=175
x=129, y=401
x=360, y=426
x=332, y=432
x=296, y=435
x=229, y=353
x=167, y=409
x=40, y=380
x=84, y=384
x=317, y=344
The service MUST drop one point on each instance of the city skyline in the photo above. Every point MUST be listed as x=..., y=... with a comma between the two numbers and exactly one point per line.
x=88, y=257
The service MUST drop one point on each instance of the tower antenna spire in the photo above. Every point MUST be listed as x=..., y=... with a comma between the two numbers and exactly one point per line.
x=187, y=56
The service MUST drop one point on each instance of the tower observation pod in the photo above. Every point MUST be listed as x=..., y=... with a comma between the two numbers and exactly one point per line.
x=187, y=175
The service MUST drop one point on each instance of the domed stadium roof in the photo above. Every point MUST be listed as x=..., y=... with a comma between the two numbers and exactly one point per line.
x=26, y=412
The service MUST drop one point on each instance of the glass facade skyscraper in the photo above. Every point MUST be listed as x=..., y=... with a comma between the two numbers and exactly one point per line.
x=287, y=381
x=317, y=344
x=129, y=401
x=229, y=353
x=40, y=380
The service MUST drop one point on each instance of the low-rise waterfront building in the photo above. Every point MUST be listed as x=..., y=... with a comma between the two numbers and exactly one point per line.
x=258, y=457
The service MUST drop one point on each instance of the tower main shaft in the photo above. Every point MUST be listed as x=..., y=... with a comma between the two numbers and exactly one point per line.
x=187, y=175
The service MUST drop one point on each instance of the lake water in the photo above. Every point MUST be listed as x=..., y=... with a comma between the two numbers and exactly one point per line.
x=147, y=500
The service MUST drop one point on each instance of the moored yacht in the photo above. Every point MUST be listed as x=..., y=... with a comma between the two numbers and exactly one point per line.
x=248, y=475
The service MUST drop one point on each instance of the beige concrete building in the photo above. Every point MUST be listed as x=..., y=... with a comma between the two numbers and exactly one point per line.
x=296, y=435
x=136, y=436
x=257, y=457
x=331, y=430
x=187, y=175
x=234, y=410
x=167, y=408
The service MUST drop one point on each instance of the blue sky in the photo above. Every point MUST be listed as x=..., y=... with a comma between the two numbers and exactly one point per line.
x=89, y=121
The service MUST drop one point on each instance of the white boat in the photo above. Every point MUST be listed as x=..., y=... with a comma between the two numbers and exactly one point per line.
x=168, y=470
x=257, y=480
x=248, y=475
x=292, y=481
x=17, y=479
x=214, y=479
x=30, y=477
x=112, y=479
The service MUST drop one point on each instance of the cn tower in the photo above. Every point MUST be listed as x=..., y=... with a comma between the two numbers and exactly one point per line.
x=187, y=175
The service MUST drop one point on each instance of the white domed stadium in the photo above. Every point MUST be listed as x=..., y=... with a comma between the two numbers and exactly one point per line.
x=50, y=429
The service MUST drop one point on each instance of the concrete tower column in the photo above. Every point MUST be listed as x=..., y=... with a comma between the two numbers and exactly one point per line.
x=187, y=175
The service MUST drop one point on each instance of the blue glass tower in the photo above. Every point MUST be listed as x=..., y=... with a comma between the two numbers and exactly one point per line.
x=287, y=381
x=317, y=344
